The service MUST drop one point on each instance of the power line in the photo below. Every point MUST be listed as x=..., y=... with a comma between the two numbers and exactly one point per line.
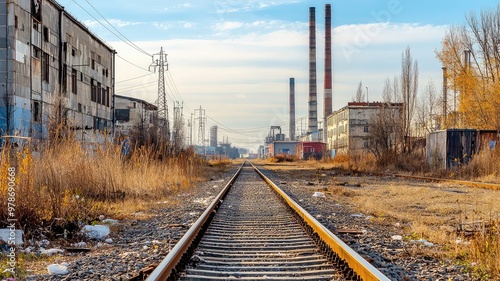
x=140, y=67
x=124, y=37
x=136, y=87
x=130, y=79
x=131, y=45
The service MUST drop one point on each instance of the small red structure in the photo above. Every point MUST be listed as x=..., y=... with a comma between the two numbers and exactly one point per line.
x=311, y=149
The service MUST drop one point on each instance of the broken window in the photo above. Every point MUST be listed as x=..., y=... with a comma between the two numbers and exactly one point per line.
x=92, y=91
x=37, y=113
x=104, y=96
x=73, y=81
x=36, y=53
x=122, y=115
x=45, y=67
x=45, y=33
x=98, y=93
x=107, y=96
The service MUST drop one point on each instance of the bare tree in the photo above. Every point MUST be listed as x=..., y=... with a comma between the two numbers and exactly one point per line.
x=409, y=87
x=385, y=133
x=428, y=109
x=396, y=93
x=387, y=94
x=360, y=96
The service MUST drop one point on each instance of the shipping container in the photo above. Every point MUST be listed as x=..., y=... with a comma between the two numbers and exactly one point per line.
x=451, y=148
x=308, y=150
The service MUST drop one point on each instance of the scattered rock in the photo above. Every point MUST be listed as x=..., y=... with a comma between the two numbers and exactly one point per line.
x=319, y=194
x=58, y=269
x=51, y=252
x=16, y=235
x=96, y=232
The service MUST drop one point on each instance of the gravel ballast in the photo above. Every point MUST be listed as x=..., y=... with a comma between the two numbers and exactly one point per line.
x=146, y=240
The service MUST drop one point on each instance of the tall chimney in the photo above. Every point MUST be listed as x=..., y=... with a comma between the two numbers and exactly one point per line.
x=327, y=108
x=313, y=102
x=292, y=109
x=445, y=96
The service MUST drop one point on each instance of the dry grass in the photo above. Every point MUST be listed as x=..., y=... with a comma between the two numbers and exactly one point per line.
x=283, y=158
x=69, y=183
x=435, y=214
x=431, y=211
x=485, y=166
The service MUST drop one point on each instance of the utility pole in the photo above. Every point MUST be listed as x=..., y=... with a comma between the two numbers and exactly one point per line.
x=160, y=62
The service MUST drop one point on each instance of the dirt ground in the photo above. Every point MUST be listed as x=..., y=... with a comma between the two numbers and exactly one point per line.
x=435, y=211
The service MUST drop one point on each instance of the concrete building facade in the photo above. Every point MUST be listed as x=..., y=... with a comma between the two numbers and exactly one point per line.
x=283, y=147
x=132, y=113
x=349, y=127
x=52, y=65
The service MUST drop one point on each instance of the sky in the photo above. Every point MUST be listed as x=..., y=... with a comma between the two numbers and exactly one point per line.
x=234, y=58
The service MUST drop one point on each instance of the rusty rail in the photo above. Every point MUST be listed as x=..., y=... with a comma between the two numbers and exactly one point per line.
x=363, y=268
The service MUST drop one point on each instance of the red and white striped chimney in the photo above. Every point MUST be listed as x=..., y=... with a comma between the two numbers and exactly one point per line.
x=313, y=102
x=327, y=108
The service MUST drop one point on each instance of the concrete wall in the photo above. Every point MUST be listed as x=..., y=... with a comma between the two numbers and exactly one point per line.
x=283, y=147
x=141, y=114
x=338, y=126
x=349, y=128
x=58, y=43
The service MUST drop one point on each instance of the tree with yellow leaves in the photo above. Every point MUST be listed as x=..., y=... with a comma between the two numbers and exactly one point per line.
x=471, y=56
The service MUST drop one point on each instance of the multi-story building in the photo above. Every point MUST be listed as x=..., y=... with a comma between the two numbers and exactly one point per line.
x=134, y=114
x=349, y=128
x=53, y=70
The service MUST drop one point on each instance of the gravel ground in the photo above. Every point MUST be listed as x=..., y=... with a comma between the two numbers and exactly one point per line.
x=147, y=239
x=398, y=260
x=140, y=242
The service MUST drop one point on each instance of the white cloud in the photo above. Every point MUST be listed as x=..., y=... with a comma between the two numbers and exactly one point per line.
x=114, y=22
x=247, y=75
x=228, y=25
x=233, y=6
x=187, y=5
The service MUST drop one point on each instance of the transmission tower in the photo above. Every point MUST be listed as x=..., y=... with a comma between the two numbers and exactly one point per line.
x=177, y=130
x=201, y=125
x=160, y=62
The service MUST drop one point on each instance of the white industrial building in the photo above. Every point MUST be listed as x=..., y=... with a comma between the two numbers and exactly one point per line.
x=349, y=127
x=134, y=114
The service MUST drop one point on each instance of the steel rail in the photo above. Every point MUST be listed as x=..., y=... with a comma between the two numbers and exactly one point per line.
x=475, y=184
x=363, y=268
x=168, y=265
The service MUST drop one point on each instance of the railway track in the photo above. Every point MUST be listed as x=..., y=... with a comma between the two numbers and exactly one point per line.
x=254, y=231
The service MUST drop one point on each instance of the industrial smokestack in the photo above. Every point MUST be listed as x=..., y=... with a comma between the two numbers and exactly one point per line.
x=445, y=96
x=327, y=108
x=313, y=102
x=292, y=108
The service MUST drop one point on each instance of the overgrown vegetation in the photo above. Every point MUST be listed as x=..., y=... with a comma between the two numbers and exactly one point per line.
x=68, y=183
x=283, y=158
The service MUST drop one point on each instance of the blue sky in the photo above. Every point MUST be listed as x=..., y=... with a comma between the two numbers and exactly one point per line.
x=235, y=58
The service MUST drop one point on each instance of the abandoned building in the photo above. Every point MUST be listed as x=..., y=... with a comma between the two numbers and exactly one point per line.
x=349, y=127
x=54, y=69
x=132, y=113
